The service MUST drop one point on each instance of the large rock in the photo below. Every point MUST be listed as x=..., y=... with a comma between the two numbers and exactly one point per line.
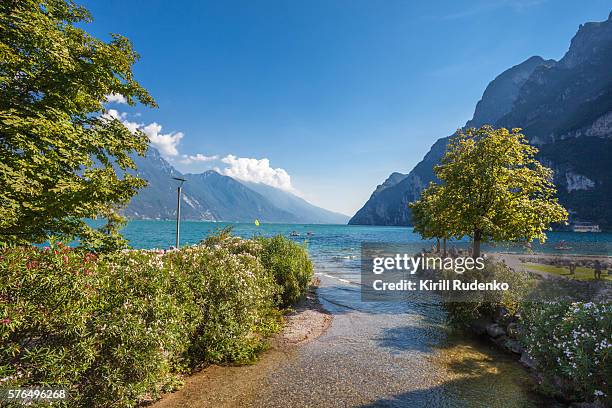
x=480, y=325
x=513, y=346
x=495, y=330
x=527, y=361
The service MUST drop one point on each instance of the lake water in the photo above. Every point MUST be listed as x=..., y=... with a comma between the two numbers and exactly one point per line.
x=339, y=245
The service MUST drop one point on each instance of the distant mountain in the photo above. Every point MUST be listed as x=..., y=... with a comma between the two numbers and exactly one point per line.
x=564, y=107
x=211, y=196
x=307, y=213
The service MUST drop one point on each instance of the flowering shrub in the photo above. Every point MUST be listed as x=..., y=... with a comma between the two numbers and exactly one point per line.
x=48, y=301
x=119, y=328
x=290, y=265
x=464, y=307
x=142, y=329
x=233, y=295
x=572, y=345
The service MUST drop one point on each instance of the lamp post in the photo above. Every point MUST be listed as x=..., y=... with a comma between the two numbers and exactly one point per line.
x=178, y=210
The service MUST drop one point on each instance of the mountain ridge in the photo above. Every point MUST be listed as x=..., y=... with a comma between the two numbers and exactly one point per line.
x=211, y=196
x=564, y=108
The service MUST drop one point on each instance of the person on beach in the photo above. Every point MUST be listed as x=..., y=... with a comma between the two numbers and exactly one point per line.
x=597, y=270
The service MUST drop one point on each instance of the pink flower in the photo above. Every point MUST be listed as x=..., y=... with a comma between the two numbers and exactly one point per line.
x=65, y=259
x=5, y=321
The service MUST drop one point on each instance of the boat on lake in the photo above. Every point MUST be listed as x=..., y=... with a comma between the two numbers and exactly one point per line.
x=562, y=246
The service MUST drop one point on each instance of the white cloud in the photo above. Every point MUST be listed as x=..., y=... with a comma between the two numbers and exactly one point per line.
x=257, y=171
x=115, y=98
x=242, y=168
x=166, y=143
x=188, y=159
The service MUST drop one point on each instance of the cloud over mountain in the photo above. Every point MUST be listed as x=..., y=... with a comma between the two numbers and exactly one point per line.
x=257, y=171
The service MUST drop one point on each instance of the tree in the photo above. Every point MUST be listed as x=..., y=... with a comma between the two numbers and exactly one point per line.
x=431, y=215
x=62, y=159
x=494, y=189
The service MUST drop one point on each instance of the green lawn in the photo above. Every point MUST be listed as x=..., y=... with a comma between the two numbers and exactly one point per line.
x=581, y=272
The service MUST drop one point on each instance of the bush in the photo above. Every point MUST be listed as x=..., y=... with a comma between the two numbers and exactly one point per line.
x=234, y=296
x=142, y=329
x=119, y=328
x=466, y=307
x=48, y=302
x=570, y=342
x=290, y=266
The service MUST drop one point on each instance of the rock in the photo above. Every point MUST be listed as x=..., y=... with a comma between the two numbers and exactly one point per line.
x=514, y=346
x=495, y=330
x=513, y=329
x=527, y=361
x=500, y=314
x=499, y=341
x=480, y=326
x=535, y=93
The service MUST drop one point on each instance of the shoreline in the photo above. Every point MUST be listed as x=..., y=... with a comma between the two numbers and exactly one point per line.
x=233, y=385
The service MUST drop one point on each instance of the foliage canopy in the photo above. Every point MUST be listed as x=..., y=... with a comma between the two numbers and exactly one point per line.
x=62, y=157
x=491, y=188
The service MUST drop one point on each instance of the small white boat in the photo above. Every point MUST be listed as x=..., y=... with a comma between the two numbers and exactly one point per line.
x=294, y=234
x=562, y=246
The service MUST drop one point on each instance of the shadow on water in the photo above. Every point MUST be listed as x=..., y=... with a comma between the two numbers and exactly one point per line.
x=466, y=371
x=465, y=392
x=474, y=370
x=412, y=338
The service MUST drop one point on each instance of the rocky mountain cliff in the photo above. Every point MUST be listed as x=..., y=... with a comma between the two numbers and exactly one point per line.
x=564, y=107
x=211, y=196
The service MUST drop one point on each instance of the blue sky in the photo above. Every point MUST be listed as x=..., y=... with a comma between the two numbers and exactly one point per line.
x=335, y=94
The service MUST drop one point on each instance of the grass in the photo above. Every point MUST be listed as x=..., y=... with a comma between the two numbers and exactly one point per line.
x=582, y=273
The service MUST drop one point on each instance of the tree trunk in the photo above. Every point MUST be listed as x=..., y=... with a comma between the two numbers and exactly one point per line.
x=437, y=245
x=476, y=243
x=444, y=248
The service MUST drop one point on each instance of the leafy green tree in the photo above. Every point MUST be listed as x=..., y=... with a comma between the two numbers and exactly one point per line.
x=431, y=215
x=493, y=189
x=61, y=158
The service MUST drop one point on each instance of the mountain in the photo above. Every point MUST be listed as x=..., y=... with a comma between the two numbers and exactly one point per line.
x=306, y=212
x=564, y=108
x=212, y=196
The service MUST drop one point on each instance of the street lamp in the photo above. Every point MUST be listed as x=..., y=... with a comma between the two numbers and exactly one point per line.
x=178, y=210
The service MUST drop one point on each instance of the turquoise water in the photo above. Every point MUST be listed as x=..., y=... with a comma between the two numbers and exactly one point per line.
x=336, y=248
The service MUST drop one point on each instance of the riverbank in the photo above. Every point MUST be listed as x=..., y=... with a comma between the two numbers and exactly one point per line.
x=555, y=325
x=233, y=386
